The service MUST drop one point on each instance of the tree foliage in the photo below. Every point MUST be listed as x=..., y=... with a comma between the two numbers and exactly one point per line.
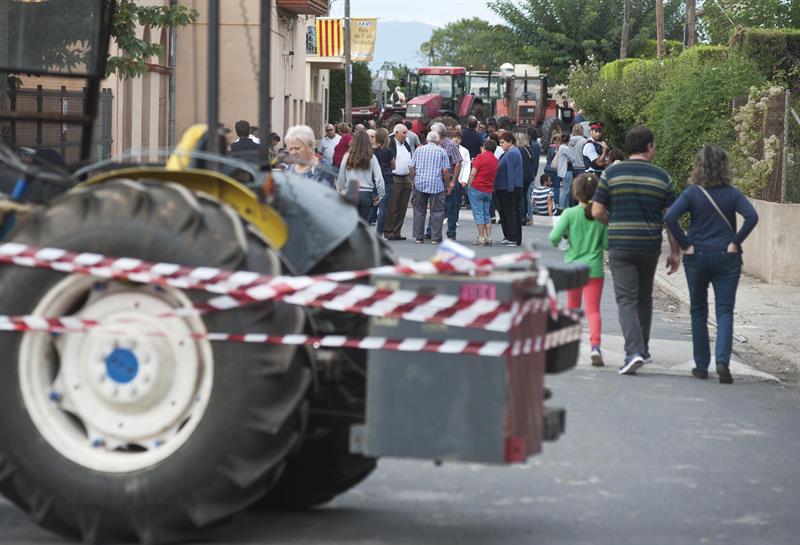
x=136, y=52
x=361, y=88
x=720, y=18
x=472, y=43
x=557, y=33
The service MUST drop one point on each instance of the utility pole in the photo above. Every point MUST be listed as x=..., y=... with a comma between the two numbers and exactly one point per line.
x=212, y=85
x=348, y=71
x=264, y=84
x=691, y=22
x=626, y=23
x=660, y=29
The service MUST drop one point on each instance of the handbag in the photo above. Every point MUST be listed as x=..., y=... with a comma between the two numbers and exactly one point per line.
x=554, y=162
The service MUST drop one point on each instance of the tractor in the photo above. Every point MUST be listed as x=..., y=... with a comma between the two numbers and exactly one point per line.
x=160, y=414
x=526, y=102
x=442, y=96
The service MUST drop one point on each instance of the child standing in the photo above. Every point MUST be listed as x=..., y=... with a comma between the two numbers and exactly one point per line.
x=587, y=240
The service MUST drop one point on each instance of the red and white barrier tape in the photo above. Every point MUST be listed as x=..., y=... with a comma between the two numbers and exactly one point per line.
x=238, y=288
x=73, y=324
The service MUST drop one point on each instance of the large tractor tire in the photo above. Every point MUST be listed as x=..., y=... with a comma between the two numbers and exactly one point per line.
x=143, y=431
x=324, y=467
x=551, y=126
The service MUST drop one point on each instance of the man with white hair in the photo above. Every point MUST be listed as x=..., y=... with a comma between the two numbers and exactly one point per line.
x=453, y=190
x=431, y=176
x=403, y=175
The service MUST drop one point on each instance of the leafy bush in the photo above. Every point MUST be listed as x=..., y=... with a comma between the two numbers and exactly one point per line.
x=775, y=51
x=647, y=49
x=693, y=106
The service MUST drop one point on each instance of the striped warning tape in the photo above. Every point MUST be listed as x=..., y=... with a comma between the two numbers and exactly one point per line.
x=566, y=335
x=233, y=289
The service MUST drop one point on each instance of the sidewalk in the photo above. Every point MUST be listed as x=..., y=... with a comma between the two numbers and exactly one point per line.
x=766, y=320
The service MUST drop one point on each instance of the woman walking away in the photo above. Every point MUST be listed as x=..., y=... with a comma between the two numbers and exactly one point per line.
x=587, y=240
x=712, y=253
x=360, y=174
x=481, y=186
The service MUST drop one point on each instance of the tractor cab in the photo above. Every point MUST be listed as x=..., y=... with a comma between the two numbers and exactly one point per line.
x=441, y=95
x=525, y=96
x=488, y=86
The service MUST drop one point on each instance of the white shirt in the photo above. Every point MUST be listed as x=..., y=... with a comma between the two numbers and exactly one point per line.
x=590, y=151
x=326, y=146
x=498, y=153
x=466, y=166
x=402, y=160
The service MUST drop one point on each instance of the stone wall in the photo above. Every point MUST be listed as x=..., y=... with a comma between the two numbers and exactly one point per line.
x=772, y=251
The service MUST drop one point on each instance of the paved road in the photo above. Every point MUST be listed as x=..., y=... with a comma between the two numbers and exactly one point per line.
x=660, y=458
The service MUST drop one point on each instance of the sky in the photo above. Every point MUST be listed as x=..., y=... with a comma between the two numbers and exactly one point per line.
x=433, y=12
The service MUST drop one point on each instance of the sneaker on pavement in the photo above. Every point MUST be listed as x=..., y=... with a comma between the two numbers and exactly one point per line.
x=420, y=241
x=427, y=236
x=436, y=242
x=597, y=357
x=479, y=241
x=699, y=373
x=724, y=374
x=631, y=365
x=505, y=242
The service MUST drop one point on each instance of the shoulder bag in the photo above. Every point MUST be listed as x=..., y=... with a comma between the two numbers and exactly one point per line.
x=716, y=207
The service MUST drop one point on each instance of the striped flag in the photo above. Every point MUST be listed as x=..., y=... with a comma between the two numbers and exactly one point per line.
x=330, y=37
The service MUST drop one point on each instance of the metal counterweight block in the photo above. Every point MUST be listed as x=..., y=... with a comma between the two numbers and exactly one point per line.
x=455, y=406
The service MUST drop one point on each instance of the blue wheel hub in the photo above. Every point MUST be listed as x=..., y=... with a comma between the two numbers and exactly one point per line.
x=122, y=365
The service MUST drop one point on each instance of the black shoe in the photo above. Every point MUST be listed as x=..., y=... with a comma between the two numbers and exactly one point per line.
x=724, y=374
x=505, y=242
x=451, y=237
x=395, y=238
x=697, y=373
x=420, y=241
x=427, y=236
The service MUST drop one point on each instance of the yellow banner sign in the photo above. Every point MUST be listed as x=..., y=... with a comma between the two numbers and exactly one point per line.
x=362, y=39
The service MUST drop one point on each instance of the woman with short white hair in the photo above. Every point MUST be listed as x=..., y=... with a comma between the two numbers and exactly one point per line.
x=300, y=142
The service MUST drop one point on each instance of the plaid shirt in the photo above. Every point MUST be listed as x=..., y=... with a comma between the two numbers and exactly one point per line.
x=428, y=162
x=452, y=153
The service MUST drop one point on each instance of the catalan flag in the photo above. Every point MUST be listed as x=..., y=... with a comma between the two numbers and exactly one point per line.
x=330, y=37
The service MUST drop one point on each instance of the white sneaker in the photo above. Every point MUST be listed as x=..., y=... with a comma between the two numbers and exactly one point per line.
x=597, y=357
x=631, y=365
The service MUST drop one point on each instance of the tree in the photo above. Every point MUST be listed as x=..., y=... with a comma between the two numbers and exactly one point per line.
x=626, y=27
x=362, y=89
x=137, y=53
x=691, y=23
x=557, y=33
x=719, y=18
x=660, y=29
x=472, y=42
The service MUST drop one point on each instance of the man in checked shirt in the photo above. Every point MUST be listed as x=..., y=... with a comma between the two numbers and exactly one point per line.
x=453, y=190
x=430, y=168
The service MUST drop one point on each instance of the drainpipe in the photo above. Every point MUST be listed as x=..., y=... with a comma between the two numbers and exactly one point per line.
x=173, y=39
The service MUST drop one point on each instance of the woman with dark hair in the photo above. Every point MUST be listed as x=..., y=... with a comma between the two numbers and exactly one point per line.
x=587, y=240
x=712, y=253
x=360, y=174
x=385, y=157
x=508, y=190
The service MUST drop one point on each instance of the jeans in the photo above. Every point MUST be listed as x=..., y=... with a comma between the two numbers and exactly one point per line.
x=633, y=272
x=420, y=201
x=556, y=188
x=722, y=270
x=481, y=203
x=592, y=292
x=529, y=199
x=364, y=204
x=566, y=187
x=383, y=205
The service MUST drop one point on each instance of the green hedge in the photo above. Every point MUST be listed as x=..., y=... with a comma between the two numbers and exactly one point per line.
x=776, y=52
x=693, y=107
x=647, y=49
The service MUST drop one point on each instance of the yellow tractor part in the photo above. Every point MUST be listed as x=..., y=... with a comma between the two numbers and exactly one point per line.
x=216, y=184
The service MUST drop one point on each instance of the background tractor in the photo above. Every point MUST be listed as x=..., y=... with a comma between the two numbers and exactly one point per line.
x=144, y=428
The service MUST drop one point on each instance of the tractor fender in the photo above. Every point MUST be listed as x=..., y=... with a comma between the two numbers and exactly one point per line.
x=318, y=219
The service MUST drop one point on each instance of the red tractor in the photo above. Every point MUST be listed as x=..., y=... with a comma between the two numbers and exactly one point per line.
x=526, y=101
x=441, y=96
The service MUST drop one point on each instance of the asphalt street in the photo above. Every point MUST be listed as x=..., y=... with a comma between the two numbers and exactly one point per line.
x=659, y=458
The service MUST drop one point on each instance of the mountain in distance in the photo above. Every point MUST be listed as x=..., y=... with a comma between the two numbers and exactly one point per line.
x=398, y=42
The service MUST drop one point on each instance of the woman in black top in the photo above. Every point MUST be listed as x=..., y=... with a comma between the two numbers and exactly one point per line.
x=385, y=156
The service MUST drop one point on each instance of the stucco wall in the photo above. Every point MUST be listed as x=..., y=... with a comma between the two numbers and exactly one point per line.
x=772, y=251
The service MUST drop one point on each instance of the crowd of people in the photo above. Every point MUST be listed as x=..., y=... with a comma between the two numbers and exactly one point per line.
x=602, y=200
